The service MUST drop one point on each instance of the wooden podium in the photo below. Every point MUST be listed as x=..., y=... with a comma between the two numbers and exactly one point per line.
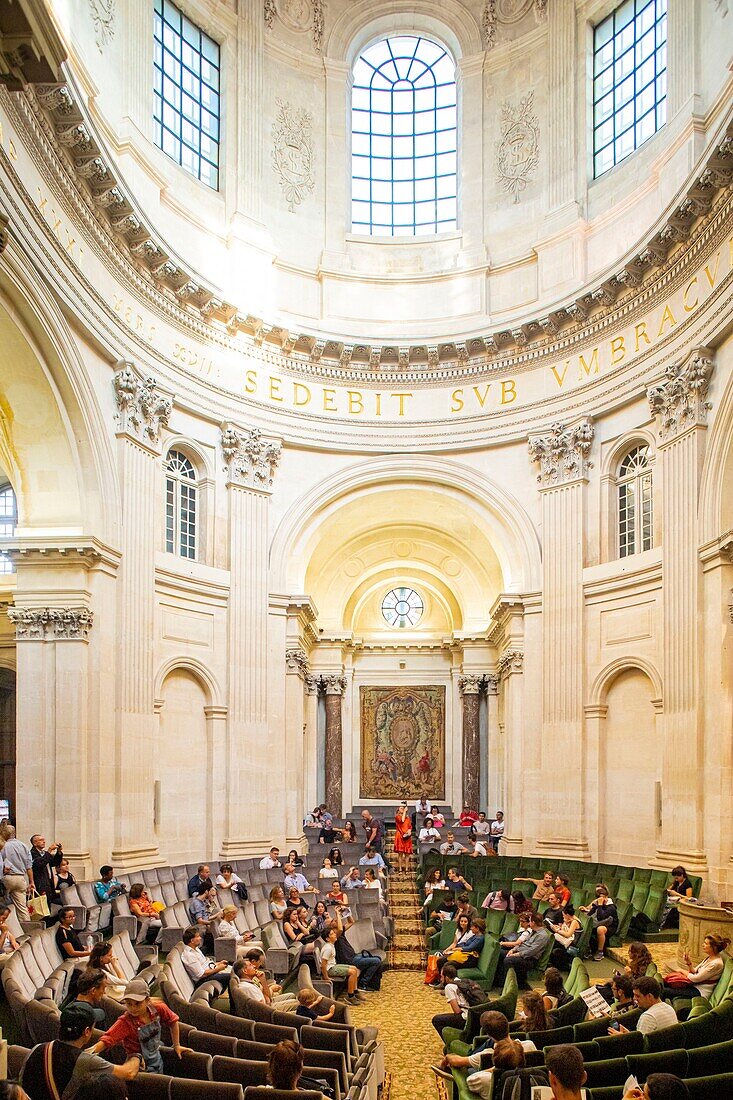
x=696, y=921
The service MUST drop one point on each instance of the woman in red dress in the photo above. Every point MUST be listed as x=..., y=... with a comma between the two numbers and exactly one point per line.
x=403, y=837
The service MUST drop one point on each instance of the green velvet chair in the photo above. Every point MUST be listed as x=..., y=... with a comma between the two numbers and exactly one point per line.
x=713, y=1059
x=606, y=1072
x=618, y=1046
x=709, y=1088
x=577, y=980
x=667, y=1038
x=666, y=1061
x=485, y=969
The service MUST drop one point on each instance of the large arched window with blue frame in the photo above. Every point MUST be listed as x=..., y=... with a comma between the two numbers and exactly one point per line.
x=404, y=139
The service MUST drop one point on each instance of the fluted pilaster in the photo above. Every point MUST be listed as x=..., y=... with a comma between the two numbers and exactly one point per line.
x=562, y=100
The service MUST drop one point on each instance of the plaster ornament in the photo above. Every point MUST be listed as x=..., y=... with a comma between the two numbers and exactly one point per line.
x=563, y=453
x=142, y=411
x=297, y=661
x=517, y=152
x=292, y=153
x=334, y=685
x=318, y=24
x=250, y=459
x=488, y=23
x=511, y=660
x=470, y=684
x=296, y=14
x=680, y=400
x=270, y=13
x=104, y=16
x=51, y=623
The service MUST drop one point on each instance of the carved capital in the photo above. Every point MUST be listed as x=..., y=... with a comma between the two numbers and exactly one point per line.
x=142, y=408
x=334, y=685
x=471, y=683
x=297, y=661
x=492, y=683
x=511, y=660
x=250, y=460
x=51, y=623
x=680, y=399
x=312, y=685
x=563, y=453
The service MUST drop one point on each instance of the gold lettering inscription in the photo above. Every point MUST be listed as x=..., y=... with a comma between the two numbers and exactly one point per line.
x=508, y=391
x=640, y=333
x=250, y=385
x=594, y=365
x=481, y=397
x=401, y=398
x=356, y=404
x=298, y=401
x=689, y=306
x=668, y=318
x=378, y=397
x=618, y=350
x=560, y=378
x=712, y=275
x=328, y=400
x=457, y=396
x=275, y=394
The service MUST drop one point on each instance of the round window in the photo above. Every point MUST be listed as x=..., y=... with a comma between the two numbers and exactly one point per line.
x=402, y=607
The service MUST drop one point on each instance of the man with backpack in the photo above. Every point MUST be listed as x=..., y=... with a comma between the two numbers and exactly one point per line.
x=460, y=995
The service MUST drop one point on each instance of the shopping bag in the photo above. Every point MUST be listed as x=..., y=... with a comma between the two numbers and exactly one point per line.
x=38, y=906
x=158, y=906
x=432, y=969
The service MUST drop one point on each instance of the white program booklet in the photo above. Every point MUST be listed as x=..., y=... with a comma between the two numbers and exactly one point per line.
x=597, y=1004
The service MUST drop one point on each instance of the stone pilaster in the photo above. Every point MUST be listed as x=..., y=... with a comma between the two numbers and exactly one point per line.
x=143, y=410
x=250, y=462
x=682, y=31
x=300, y=616
x=251, y=64
x=563, y=456
x=495, y=749
x=334, y=687
x=471, y=686
x=312, y=685
x=680, y=405
x=510, y=667
x=561, y=107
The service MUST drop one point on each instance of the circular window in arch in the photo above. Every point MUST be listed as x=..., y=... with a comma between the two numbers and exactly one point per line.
x=402, y=607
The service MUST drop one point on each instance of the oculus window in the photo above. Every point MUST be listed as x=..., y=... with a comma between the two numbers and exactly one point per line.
x=404, y=139
x=635, y=505
x=8, y=520
x=629, y=80
x=402, y=607
x=186, y=95
x=180, y=505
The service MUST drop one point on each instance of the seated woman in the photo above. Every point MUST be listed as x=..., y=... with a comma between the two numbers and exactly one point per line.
x=285, y=1065
x=522, y=904
x=338, y=898
x=103, y=958
x=327, y=871
x=500, y=900
x=433, y=881
x=428, y=833
x=8, y=942
x=700, y=980
x=438, y=819
x=278, y=904
x=555, y=995
x=337, y=860
x=320, y=921
x=150, y=926
x=227, y=930
x=566, y=936
x=604, y=915
x=533, y=1014
x=680, y=888
x=227, y=880
x=296, y=932
x=639, y=960
x=456, y=953
x=64, y=878
x=294, y=858
x=348, y=833
x=371, y=882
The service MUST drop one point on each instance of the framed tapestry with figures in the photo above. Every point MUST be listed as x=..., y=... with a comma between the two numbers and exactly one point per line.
x=402, y=742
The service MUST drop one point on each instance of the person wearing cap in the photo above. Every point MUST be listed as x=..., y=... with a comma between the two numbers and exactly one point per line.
x=140, y=1029
x=60, y=1068
x=90, y=990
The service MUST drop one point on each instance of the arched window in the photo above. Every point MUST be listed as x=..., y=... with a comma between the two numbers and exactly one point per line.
x=8, y=520
x=635, y=505
x=403, y=139
x=180, y=505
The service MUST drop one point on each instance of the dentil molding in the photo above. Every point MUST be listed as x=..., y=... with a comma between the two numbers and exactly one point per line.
x=51, y=623
x=563, y=453
x=142, y=408
x=250, y=459
x=680, y=401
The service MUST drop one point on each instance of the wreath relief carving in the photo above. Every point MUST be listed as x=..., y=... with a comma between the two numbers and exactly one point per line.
x=292, y=152
x=104, y=14
x=517, y=151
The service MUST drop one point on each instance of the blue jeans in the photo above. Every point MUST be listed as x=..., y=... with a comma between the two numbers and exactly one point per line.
x=370, y=971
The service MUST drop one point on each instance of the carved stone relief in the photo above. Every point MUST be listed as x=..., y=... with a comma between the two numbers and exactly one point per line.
x=507, y=12
x=104, y=16
x=51, y=623
x=517, y=152
x=250, y=459
x=142, y=410
x=511, y=660
x=563, y=453
x=680, y=400
x=299, y=16
x=292, y=152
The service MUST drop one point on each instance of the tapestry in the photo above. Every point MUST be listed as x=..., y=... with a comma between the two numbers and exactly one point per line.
x=402, y=742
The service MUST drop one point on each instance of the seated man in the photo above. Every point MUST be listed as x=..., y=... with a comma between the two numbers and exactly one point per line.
x=496, y=830
x=60, y=1068
x=622, y=991
x=465, y=908
x=604, y=915
x=566, y=1072
x=271, y=860
x=107, y=886
x=450, y=846
x=660, y=1086
x=494, y=1028
x=553, y=914
x=373, y=858
x=369, y=966
x=90, y=990
x=245, y=971
x=294, y=878
x=513, y=938
x=480, y=847
x=656, y=1012
x=506, y=1054
x=544, y=887
x=467, y=817
x=456, y=1001
x=352, y=880
x=204, y=910
x=198, y=967
x=273, y=992
x=522, y=957
x=481, y=827
x=202, y=875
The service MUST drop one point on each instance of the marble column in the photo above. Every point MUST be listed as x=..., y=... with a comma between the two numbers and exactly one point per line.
x=471, y=685
x=563, y=457
x=143, y=410
x=334, y=687
x=297, y=673
x=312, y=685
x=680, y=405
x=250, y=462
x=495, y=751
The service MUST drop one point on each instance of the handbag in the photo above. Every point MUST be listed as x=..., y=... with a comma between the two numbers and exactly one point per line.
x=460, y=957
x=158, y=906
x=407, y=835
x=678, y=977
x=38, y=906
x=431, y=972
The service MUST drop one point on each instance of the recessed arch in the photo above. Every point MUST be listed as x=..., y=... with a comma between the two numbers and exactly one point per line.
x=607, y=675
x=206, y=678
x=613, y=455
x=365, y=21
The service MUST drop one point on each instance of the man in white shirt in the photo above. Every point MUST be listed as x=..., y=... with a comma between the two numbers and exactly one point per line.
x=456, y=1001
x=482, y=827
x=496, y=830
x=17, y=873
x=197, y=966
x=656, y=1012
x=294, y=878
x=273, y=860
x=245, y=970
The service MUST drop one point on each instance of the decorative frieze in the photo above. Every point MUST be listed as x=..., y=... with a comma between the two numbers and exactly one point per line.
x=511, y=660
x=51, y=623
x=334, y=685
x=250, y=459
x=563, y=453
x=680, y=400
x=471, y=683
x=142, y=408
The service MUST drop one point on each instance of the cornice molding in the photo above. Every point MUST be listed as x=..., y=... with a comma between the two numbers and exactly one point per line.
x=88, y=168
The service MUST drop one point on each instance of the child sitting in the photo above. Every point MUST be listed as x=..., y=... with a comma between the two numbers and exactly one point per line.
x=308, y=1001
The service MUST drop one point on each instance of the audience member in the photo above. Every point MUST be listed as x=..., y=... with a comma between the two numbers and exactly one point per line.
x=543, y=886
x=332, y=969
x=17, y=872
x=67, y=941
x=533, y=1013
x=369, y=966
x=464, y=907
x=604, y=915
x=328, y=834
x=456, y=882
x=284, y=1002
x=271, y=860
x=437, y=816
x=553, y=914
x=352, y=880
x=555, y=995
x=522, y=904
x=8, y=942
x=562, y=888
x=496, y=830
x=521, y=957
x=44, y=862
x=107, y=886
x=202, y=875
x=327, y=871
x=373, y=831
x=245, y=970
x=228, y=880
x=700, y=980
x=566, y=936
x=296, y=859
x=456, y=1001
x=566, y=1072
x=433, y=881
x=428, y=833
x=308, y=1000
x=639, y=960
x=422, y=808
x=494, y=1027
x=150, y=927
x=90, y=989
x=103, y=958
x=372, y=858
x=681, y=887
x=480, y=846
x=285, y=1065
x=499, y=900
x=337, y=860
x=467, y=817
x=139, y=1030
x=61, y=1067
x=656, y=1013
x=198, y=967
x=481, y=827
x=278, y=902
x=64, y=879
x=660, y=1086
x=348, y=833
x=295, y=878
x=227, y=929
x=622, y=991
x=204, y=910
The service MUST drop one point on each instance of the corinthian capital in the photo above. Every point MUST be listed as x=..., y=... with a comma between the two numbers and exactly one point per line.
x=511, y=660
x=51, y=623
x=142, y=408
x=680, y=399
x=250, y=460
x=471, y=683
x=563, y=453
x=334, y=685
x=297, y=661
